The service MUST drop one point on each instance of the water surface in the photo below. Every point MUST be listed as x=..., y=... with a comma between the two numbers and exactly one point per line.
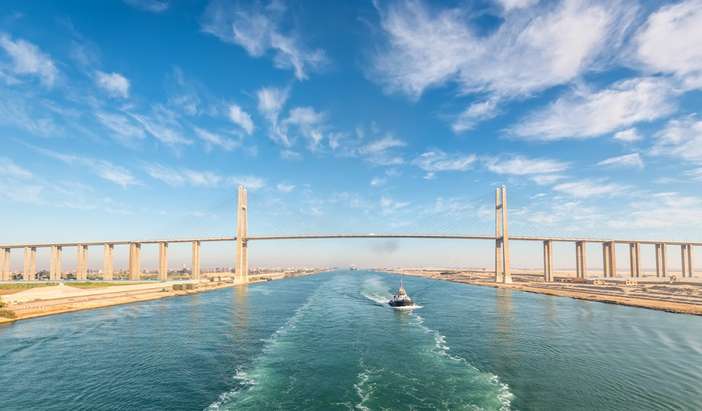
x=327, y=342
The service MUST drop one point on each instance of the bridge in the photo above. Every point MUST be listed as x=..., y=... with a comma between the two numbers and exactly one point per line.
x=501, y=239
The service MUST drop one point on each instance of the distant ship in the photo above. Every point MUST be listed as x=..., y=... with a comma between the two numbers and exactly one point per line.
x=401, y=299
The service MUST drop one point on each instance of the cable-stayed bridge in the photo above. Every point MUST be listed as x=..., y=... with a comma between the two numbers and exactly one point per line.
x=501, y=239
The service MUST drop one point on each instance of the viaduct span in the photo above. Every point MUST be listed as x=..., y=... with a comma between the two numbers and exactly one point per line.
x=501, y=239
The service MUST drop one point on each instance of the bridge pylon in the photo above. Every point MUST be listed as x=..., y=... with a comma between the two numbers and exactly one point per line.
x=502, y=263
x=241, y=264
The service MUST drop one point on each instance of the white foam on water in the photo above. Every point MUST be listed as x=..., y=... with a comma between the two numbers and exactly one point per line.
x=441, y=347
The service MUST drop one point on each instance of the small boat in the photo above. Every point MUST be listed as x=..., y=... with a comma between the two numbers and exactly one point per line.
x=401, y=299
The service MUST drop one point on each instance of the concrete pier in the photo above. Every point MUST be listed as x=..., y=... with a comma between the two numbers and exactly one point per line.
x=30, y=263
x=55, y=266
x=241, y=266
x=195, y=269
x=686, y=263
x=163, y=261
x=108, y=267
x=5, y=264
x=82, y=263
x=634, y=260
x=580, y=260
x=661, y=269
x=135, y=261
x=548, y=261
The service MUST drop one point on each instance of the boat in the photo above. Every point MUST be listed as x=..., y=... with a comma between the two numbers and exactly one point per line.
x=401, y=299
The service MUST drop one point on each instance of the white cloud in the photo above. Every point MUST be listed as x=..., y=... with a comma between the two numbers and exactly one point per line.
x=258, y=30
x=546, y=179
x=530, y=51
x=390, y=206
x=102, y=168
x=696, y=174
x=285, y=188
x=590, y=188
x=670, y=41
x=115, y=84
x=215, y=140
x=28, y=59
x=309, y=122
x=436, y=161
x=123, y=127
x=378, y=181
x=271, y=101
x=163, y=125
x=662, y=210
x=680, y=138
x=154, y=6
x=473, y=114
x=381, y=151
x=584, y=113
x=519, y=165
x=241, y=118
x=196, y=178
x=509, y=5
x=627, y=160
x=629, y=135
x=8, y=168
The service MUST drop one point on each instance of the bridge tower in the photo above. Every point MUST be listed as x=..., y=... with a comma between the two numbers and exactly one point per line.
x=502, y=263
x=241, y=264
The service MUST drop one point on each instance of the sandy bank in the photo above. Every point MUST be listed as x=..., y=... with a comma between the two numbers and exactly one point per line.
x=651, y=293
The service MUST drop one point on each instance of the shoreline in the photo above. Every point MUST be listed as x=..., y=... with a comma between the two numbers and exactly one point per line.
x=612, y=292
x=136, y=293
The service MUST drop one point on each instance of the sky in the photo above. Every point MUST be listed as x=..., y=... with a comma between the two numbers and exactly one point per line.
x=137, y=119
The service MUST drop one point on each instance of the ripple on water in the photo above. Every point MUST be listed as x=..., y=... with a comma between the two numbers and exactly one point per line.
x=392, y=360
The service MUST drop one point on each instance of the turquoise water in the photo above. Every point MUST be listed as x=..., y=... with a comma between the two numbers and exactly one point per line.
x=326, y=342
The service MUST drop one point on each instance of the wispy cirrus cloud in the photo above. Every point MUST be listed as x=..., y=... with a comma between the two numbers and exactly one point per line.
x=153, y=6
x=27, y=59
x=435, y=161
x=115, y=84
x=627, y=160
x=382, y=151
x=101, y=168
x=669, y=42
x=241, y=118
x=586, y=114
x=521, y=166
x=535, y=49
x=177, y=177
x=258, y=29
x=216, y=140
x=680, y=138
x=588, y=188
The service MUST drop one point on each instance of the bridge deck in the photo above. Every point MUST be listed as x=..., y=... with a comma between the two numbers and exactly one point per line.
x=355, y=236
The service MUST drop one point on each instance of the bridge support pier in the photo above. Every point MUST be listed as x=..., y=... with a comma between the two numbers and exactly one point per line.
x=634, y=260
x=5, y=264
x=55, y=266
x=686, y=257
x=134, y=261
x=82, y=263
x=108, y=267
x=580, y=260
x=605, y=260
x=163, y=261
x=195, y=269
x=241, y=266
x=548, y=261
x=661, y=269
x=30, y=263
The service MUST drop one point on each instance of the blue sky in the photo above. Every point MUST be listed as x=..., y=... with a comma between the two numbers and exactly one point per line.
x=138, y=119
